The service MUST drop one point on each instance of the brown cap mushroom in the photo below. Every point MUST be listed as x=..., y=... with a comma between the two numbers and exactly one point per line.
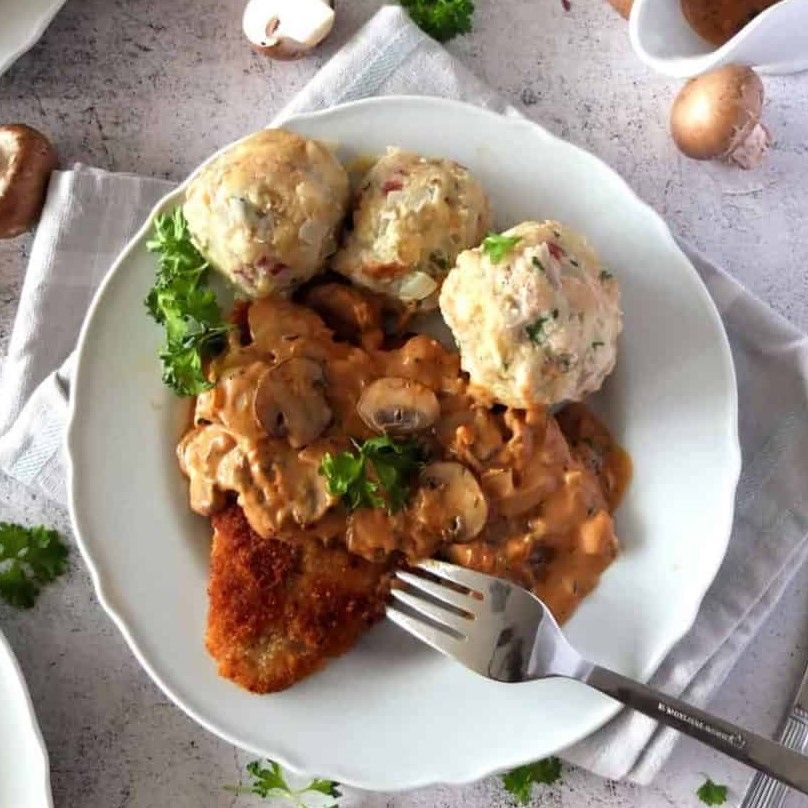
x=26, y=161
x=398, y=406
x=287, y=29
x=290, y=401
x=717, y=116
x=451, y=502
x=622, y=7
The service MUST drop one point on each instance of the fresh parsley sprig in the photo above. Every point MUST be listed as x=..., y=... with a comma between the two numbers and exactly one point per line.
x=441, y=19
x=377, y=474
x=519, y=781
x=711, y=793
x=182, y=303
x=496, y=247
x=30, y=557
x=269, y=781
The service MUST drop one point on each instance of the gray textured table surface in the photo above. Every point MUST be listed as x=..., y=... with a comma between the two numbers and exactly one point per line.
x=153, y=86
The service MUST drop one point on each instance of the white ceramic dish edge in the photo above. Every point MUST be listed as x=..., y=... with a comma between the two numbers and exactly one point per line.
x=115, y=611
x=36, y=26
x=775, y=42
x=40, y=781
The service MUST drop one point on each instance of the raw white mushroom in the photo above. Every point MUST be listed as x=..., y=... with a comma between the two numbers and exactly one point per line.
x=287, y=29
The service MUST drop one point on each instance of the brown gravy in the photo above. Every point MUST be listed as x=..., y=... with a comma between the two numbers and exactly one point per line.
x=718, y=21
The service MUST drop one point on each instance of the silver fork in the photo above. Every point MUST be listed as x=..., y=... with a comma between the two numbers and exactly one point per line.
x=505, y=633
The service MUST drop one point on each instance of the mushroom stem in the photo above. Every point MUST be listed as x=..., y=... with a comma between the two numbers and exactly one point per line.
x=751, y=149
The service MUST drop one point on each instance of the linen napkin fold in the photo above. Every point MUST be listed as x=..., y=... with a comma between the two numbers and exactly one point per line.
x=90, y=214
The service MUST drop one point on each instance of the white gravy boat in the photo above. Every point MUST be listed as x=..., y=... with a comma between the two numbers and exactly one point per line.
x=776, y=41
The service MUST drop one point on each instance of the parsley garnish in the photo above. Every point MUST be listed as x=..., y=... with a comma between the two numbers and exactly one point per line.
x=519, y=782
x=392, y=464
x=535, y=330
x=441, y=19
x=605, y=275
x=536, y=263
x=29, y=558
x=269, y=782
x=497, y=247
x=711, y=793
x=180, y=301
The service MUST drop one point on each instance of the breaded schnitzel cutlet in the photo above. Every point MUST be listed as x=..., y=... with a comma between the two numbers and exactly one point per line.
x=278, y=609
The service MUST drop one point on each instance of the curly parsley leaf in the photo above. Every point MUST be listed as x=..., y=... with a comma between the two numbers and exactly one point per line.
x=180, y=301
x=711, y=793
x=30, y=557
x=347, y=478
x=496, y=247
x=395, y=465
x=269, y=781
x=378, y=466
x=519, y=781
x=441, y=19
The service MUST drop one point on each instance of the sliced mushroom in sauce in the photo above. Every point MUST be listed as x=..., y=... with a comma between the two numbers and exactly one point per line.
x=398, y=406
x=290, y=401
x=451, y=502
x=311, y=498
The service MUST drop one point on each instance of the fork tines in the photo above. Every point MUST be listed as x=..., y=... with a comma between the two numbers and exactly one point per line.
x=439, y=603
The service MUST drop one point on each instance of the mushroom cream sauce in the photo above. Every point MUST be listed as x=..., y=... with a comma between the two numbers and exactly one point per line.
x=516, y=493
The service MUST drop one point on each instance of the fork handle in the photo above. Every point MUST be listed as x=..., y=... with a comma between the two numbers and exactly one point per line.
x=765, y=755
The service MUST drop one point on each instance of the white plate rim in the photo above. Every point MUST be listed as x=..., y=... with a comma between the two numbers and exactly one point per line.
x=28, y=706
x=39, y=26
x=116, y=612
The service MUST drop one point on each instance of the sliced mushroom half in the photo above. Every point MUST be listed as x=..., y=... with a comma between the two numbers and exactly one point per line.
x=452, y=502
x=290, y=401
x=398, y=406
x=287, y=29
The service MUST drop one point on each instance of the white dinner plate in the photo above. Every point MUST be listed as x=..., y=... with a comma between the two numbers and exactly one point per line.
x=392, y=714
x=24, y=771
x=22, y=23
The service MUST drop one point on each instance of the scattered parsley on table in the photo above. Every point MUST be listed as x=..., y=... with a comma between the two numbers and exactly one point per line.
x=441, y=19
x=182, y=303
x=519, y=781
x=269, y=781
x=393, y=465
x=711, y=793
x=30, y=557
